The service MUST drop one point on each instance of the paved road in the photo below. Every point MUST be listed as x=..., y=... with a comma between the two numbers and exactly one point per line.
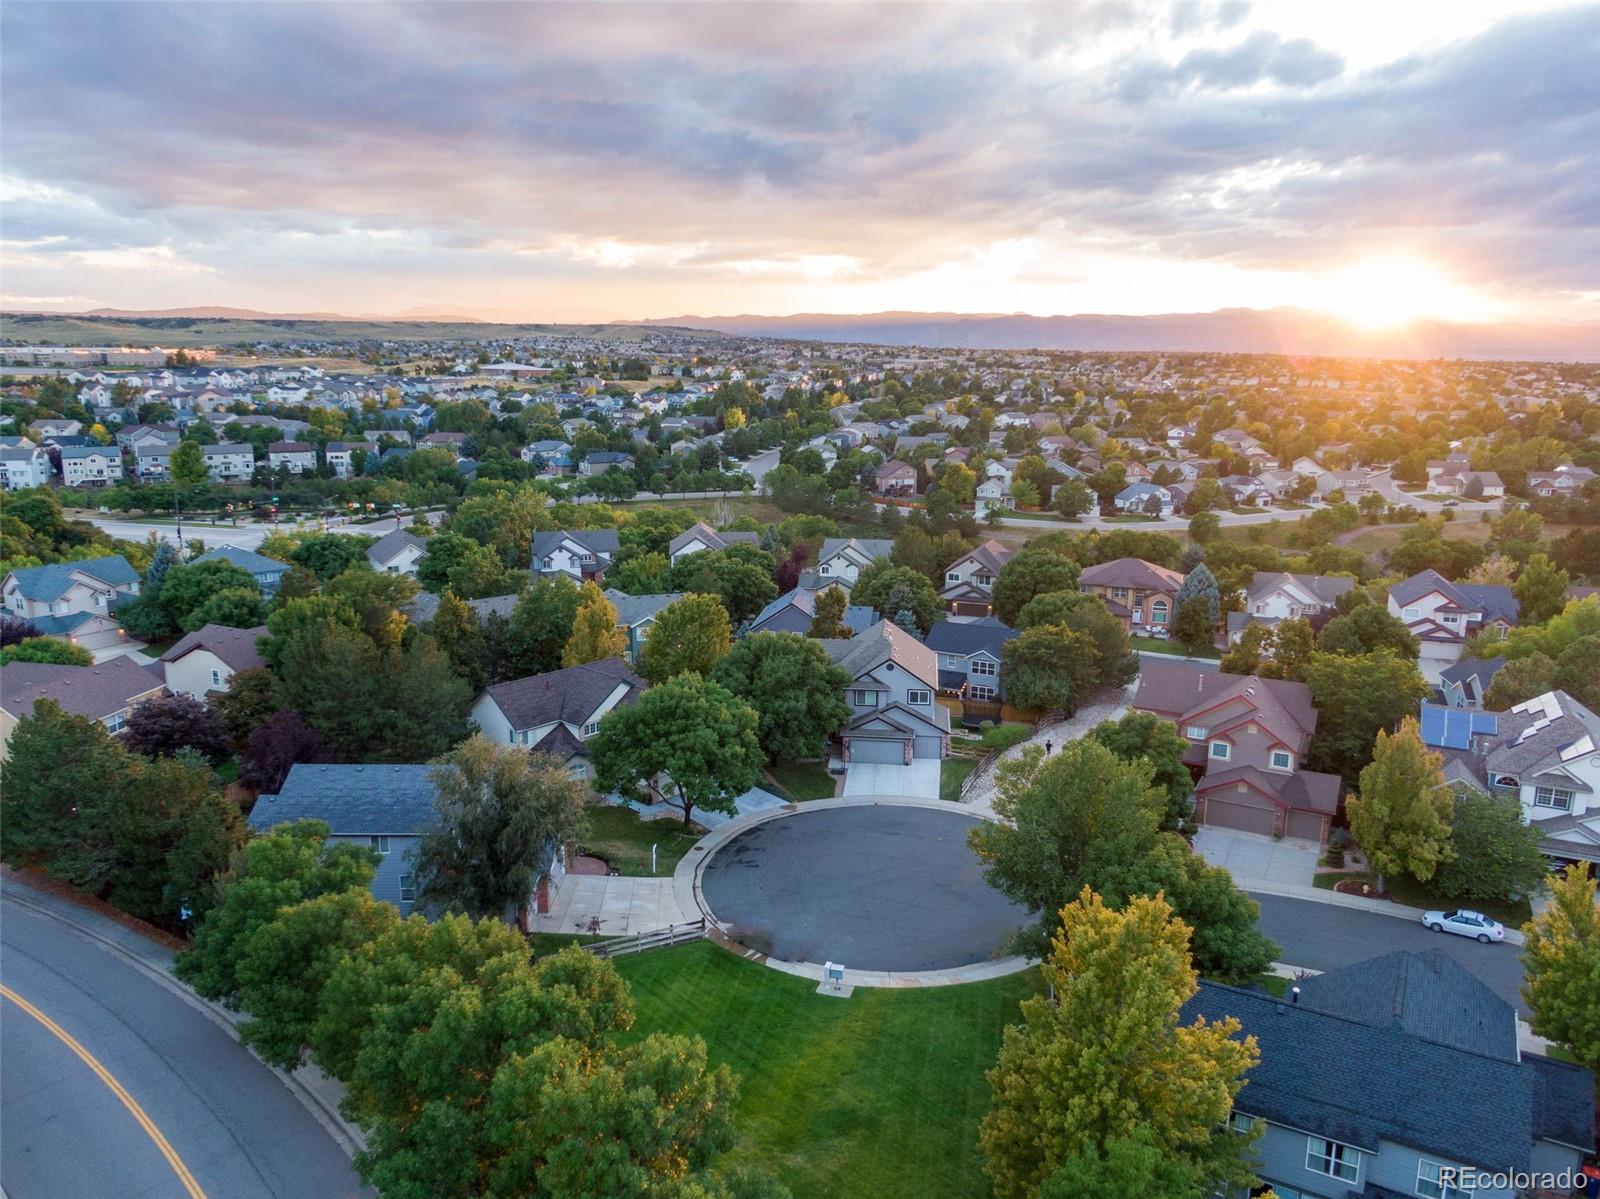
x=227, y=1120
x=1322, y=937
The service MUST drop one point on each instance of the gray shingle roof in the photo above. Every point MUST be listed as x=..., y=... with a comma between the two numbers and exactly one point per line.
x=355, y=801
x=383, y=550
x=866, y=548
x=949, y=637
x=424, y=606
x=636, y=609
x=236, y=647
x=1361, y=1083
x=1493, y=600
x=1131, y=572
x=597, y=541
x=569, y=695
x=256, y=564
x=858, y=618
x=884, y=642
x=53, y=581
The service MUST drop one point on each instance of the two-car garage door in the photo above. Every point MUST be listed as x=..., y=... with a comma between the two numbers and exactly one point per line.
x=1245, y=817
x=889, y=752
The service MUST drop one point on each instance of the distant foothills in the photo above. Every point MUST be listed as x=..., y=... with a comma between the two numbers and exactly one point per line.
x=1232, y=330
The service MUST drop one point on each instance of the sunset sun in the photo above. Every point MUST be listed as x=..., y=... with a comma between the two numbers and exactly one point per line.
x=1390, y=291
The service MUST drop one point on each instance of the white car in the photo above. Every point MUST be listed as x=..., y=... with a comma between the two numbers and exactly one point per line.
x=1466, y=924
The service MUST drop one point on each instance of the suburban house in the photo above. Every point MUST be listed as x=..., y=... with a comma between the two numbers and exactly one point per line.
x=90, y=465
x=994, y=493
x=1351, y=483
x=424, y=606
x=1138, y=593
x=1443, y=615
x=895, y=478
x=635, y=615
x=1545, y=752
x=152, y=462
x=74, y=600
x=557, y=712
x=205, y=660
x=1275, y=595
x=268, y=572
x=1247, y=738
x=41, y=430
x=387, y=808
x=600, y=461
x=793, y=612
x=1144, y=499
x=443, y=441
x=579, y=555
x=397, y=553
x=701, y=536
x=23, y=466
x=1564, y=480
x=969, y=580
x=106, y=692
x=893, y=681
x=297, y=457
x=969, y=657
x=552, y=457
x=842, y=559
x=340, y=456
x=1383, y=1078
x=229, y=461
x=1464, y=684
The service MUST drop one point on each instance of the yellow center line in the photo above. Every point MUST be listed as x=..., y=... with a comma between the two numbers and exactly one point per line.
x=117, y=1089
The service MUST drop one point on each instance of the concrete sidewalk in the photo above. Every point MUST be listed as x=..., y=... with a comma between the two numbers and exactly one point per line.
x=318, y=1093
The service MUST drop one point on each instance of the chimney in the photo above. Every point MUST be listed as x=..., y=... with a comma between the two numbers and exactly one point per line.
x=1294, y=996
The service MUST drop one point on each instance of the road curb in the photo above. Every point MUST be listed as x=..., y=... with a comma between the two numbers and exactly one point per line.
x=1380, y=907
x=323, y=1108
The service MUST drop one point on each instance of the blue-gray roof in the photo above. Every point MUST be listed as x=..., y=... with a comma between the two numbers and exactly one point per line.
x=1365, y=1078
x=636, y=609
x=793, y=612
x=356, y=801
x=53, y=581
x=256, y=564
x=969, y=637
x=1482, y=669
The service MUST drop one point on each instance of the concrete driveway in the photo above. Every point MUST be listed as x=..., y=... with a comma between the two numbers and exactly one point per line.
x=620, y=905
x=920, y=780
x=1252, y=858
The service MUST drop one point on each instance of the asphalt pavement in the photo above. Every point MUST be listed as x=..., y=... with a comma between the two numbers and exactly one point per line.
x=197, y=1115
x=1320, y=936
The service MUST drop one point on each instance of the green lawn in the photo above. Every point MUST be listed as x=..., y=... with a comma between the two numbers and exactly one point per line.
x=801, y=781
x=621, y=838
x=878, y=1094
x=1513, y=913
x=1154, y=645
x=953, y=771
x=543, y=944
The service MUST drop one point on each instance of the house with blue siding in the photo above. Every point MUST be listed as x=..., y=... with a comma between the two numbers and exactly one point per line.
x=893, y=680
x=387, y=808
x=268, y=572
x=1398, y=1076
x=969, y=657
x=636, y=614
x=793, y=612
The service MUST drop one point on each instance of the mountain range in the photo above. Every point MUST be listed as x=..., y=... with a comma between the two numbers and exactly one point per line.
x=1228, y=330
x=218, y=313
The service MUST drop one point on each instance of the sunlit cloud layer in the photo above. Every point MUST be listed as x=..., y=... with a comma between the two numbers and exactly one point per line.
x=609, y=161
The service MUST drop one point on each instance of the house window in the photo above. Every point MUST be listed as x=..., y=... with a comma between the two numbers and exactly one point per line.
x=985, y=580
x=1195, y=732
x=590, y=729
x=1439, y=1182
x=862, y=699
x=216, y=678
x=952, y=576
x=984, y=666
x=408, y=888
x=919, y=697
x=1241, y=1123
x=1552, y=797
x=979, y=692
x=1158, y=612
x=1333, y=1159
x=1408, y=614
x=381, y=844
x=1120, y=593
x=1281, y=759
x=826, y=569
x=955, y=661
x=1451, y=619
x=1220, y=750
x=1261, y=609
x=116, y=721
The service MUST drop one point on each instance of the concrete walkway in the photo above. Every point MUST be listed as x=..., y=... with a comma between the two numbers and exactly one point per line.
x=1112, y=705
x=611, y=906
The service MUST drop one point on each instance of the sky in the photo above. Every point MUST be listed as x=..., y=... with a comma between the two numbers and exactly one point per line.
x=590, y=162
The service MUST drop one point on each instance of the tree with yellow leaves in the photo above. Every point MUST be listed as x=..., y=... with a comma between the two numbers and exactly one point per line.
x=594, y=630
x=1104, y=1061
x=1561, y=966
x=1401, y=819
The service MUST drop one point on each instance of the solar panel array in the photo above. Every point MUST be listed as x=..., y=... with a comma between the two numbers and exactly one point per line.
x=1454, y=728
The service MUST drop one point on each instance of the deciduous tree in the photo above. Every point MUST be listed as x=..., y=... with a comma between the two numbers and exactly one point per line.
x=1494, y=855
x=1561, y=966
x=1141, y=736
x=540, y=625
x=696, y=733
x=690, y=634
x=1401, y=818
x=795, y=688
x=1355, y=698
x=1028, y=573
x=1049, y=668
x=1104, y=1058
x=891, y=590
x=595, y=635
x=1541, y=590
x=49, y=650
x=164, y=724
x=828, y=616
x=503, y=814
